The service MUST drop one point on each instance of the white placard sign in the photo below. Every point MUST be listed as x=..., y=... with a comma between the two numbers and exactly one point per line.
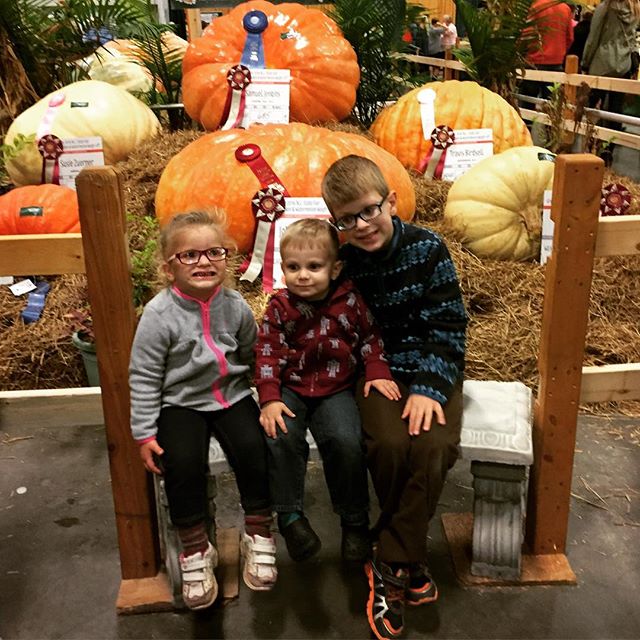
x=267, y=97
x=78, y=154
x=470, y=146
x=295, y=209
x=546, y=244
x=22, y=287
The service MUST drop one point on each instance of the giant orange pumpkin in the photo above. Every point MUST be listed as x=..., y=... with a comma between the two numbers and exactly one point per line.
x=459, y=105
x=206, y=173
x=324, y=67
x=45, y=208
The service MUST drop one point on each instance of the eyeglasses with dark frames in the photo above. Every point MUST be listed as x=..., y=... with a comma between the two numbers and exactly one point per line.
x=369, y=213
x=192, y=256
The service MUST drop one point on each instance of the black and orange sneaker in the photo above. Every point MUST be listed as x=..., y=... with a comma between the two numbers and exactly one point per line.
x=421, y=588
x=385, y=607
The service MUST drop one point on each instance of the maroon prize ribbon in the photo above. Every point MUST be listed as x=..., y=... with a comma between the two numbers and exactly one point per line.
x=268, y=204
x=238, y=78
x=615, y=200
x=50, y=147
x=442, y=137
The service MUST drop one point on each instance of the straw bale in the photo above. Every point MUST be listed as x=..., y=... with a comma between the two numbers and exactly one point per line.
x=504, y=299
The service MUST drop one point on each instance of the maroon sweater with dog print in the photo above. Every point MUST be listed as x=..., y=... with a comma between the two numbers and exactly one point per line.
x=316, y=348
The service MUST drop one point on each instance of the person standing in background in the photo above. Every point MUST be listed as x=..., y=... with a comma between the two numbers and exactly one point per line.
x=611, y=48
x=555, y=26
x=450, y=34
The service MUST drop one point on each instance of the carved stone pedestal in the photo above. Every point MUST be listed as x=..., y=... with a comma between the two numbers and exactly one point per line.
x=498, y=519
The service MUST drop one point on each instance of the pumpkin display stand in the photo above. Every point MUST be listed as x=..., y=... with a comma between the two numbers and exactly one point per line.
x=503, y=298
x=87, y=350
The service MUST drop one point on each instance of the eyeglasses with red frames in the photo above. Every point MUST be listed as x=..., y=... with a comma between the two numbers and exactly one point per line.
x=192, y=256
x=350, y=221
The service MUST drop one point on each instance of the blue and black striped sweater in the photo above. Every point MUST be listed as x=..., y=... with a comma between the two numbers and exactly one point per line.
x=412, y=289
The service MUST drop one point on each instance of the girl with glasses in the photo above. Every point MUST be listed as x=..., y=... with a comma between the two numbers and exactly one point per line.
x=190, y=369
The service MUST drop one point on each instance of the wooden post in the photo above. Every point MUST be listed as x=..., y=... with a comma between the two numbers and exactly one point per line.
x=194, y=24
x=102, y=218
x=448, y=73
x=570, y=91
x=576, y=199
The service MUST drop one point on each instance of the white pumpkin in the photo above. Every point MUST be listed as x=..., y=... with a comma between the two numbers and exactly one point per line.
x=118, y=62
x=495, y=207
x=90, y=108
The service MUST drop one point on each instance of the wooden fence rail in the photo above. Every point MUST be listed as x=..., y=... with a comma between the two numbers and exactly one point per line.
x=570, y=80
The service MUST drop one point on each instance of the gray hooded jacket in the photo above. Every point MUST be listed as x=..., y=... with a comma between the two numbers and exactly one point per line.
x=612, y=38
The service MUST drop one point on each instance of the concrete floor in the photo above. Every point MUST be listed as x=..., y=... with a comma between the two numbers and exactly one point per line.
x=59, y=571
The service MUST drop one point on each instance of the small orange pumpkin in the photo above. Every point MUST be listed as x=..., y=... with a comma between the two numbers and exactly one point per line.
x=45, y=208
x=459, y=105
x=206, y=173
x=324, y=67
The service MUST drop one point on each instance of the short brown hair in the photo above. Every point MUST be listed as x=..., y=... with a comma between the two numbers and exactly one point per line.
x=214, y=218
x=350, y=178
x=311, y=232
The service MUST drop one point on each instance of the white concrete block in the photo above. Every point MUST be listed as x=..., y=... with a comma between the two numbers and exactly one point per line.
x=496, y=422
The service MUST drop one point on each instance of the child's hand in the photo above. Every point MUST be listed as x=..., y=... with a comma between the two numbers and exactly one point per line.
x=388, y=388
x=420, y=411
x=146, y=453
x=271, y=417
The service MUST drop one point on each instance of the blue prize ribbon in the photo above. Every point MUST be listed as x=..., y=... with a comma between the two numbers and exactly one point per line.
x=254, y=23
x=35, y=303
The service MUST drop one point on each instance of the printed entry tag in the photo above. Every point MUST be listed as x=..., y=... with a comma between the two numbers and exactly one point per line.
x=267, y=97
x=546, y=244
x=469, y=147
x=295, y=209
x=22, y=287
x=78, y=154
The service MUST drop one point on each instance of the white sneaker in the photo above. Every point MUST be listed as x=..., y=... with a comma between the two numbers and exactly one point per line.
x=199, y=586
x=259, y=570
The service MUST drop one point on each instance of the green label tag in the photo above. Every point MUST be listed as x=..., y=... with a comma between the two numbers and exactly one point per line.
x=25, y=212
x=551, y=157
x=79, y=104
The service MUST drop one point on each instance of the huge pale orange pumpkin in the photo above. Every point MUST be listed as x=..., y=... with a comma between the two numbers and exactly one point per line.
x=459, y=105
x=206, y=173
x=45, y=208
x=324, y=67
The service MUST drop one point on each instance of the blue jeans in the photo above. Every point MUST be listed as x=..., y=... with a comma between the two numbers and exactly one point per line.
x=335, y=425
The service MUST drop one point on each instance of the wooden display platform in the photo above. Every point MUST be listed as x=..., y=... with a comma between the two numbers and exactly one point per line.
x=153, y=595
x=536, y=569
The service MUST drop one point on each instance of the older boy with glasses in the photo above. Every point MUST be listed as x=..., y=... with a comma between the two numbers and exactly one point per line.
x=406, y=277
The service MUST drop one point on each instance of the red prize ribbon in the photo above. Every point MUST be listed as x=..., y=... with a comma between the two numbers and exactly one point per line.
x=239, y=78
x=442, y=137
x=50, y=147
x=615, y=200
x=268, y=204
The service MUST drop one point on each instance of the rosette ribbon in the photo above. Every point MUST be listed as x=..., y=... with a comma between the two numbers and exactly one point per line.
x=50, y=147
x=239, y=76
x=267, y=205
x=442, y=137
x=615, y=200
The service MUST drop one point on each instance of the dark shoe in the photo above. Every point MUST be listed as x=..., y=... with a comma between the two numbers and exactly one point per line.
x=385, y=607
x=421, y=588
x=356, y=543
x=302, y=541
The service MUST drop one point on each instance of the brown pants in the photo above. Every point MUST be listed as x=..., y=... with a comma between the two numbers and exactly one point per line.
x=408, y=472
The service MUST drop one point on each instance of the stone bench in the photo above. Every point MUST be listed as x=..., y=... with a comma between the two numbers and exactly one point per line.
x=496, y=438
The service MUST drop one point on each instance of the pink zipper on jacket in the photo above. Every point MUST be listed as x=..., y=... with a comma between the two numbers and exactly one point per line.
x=205, y=316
